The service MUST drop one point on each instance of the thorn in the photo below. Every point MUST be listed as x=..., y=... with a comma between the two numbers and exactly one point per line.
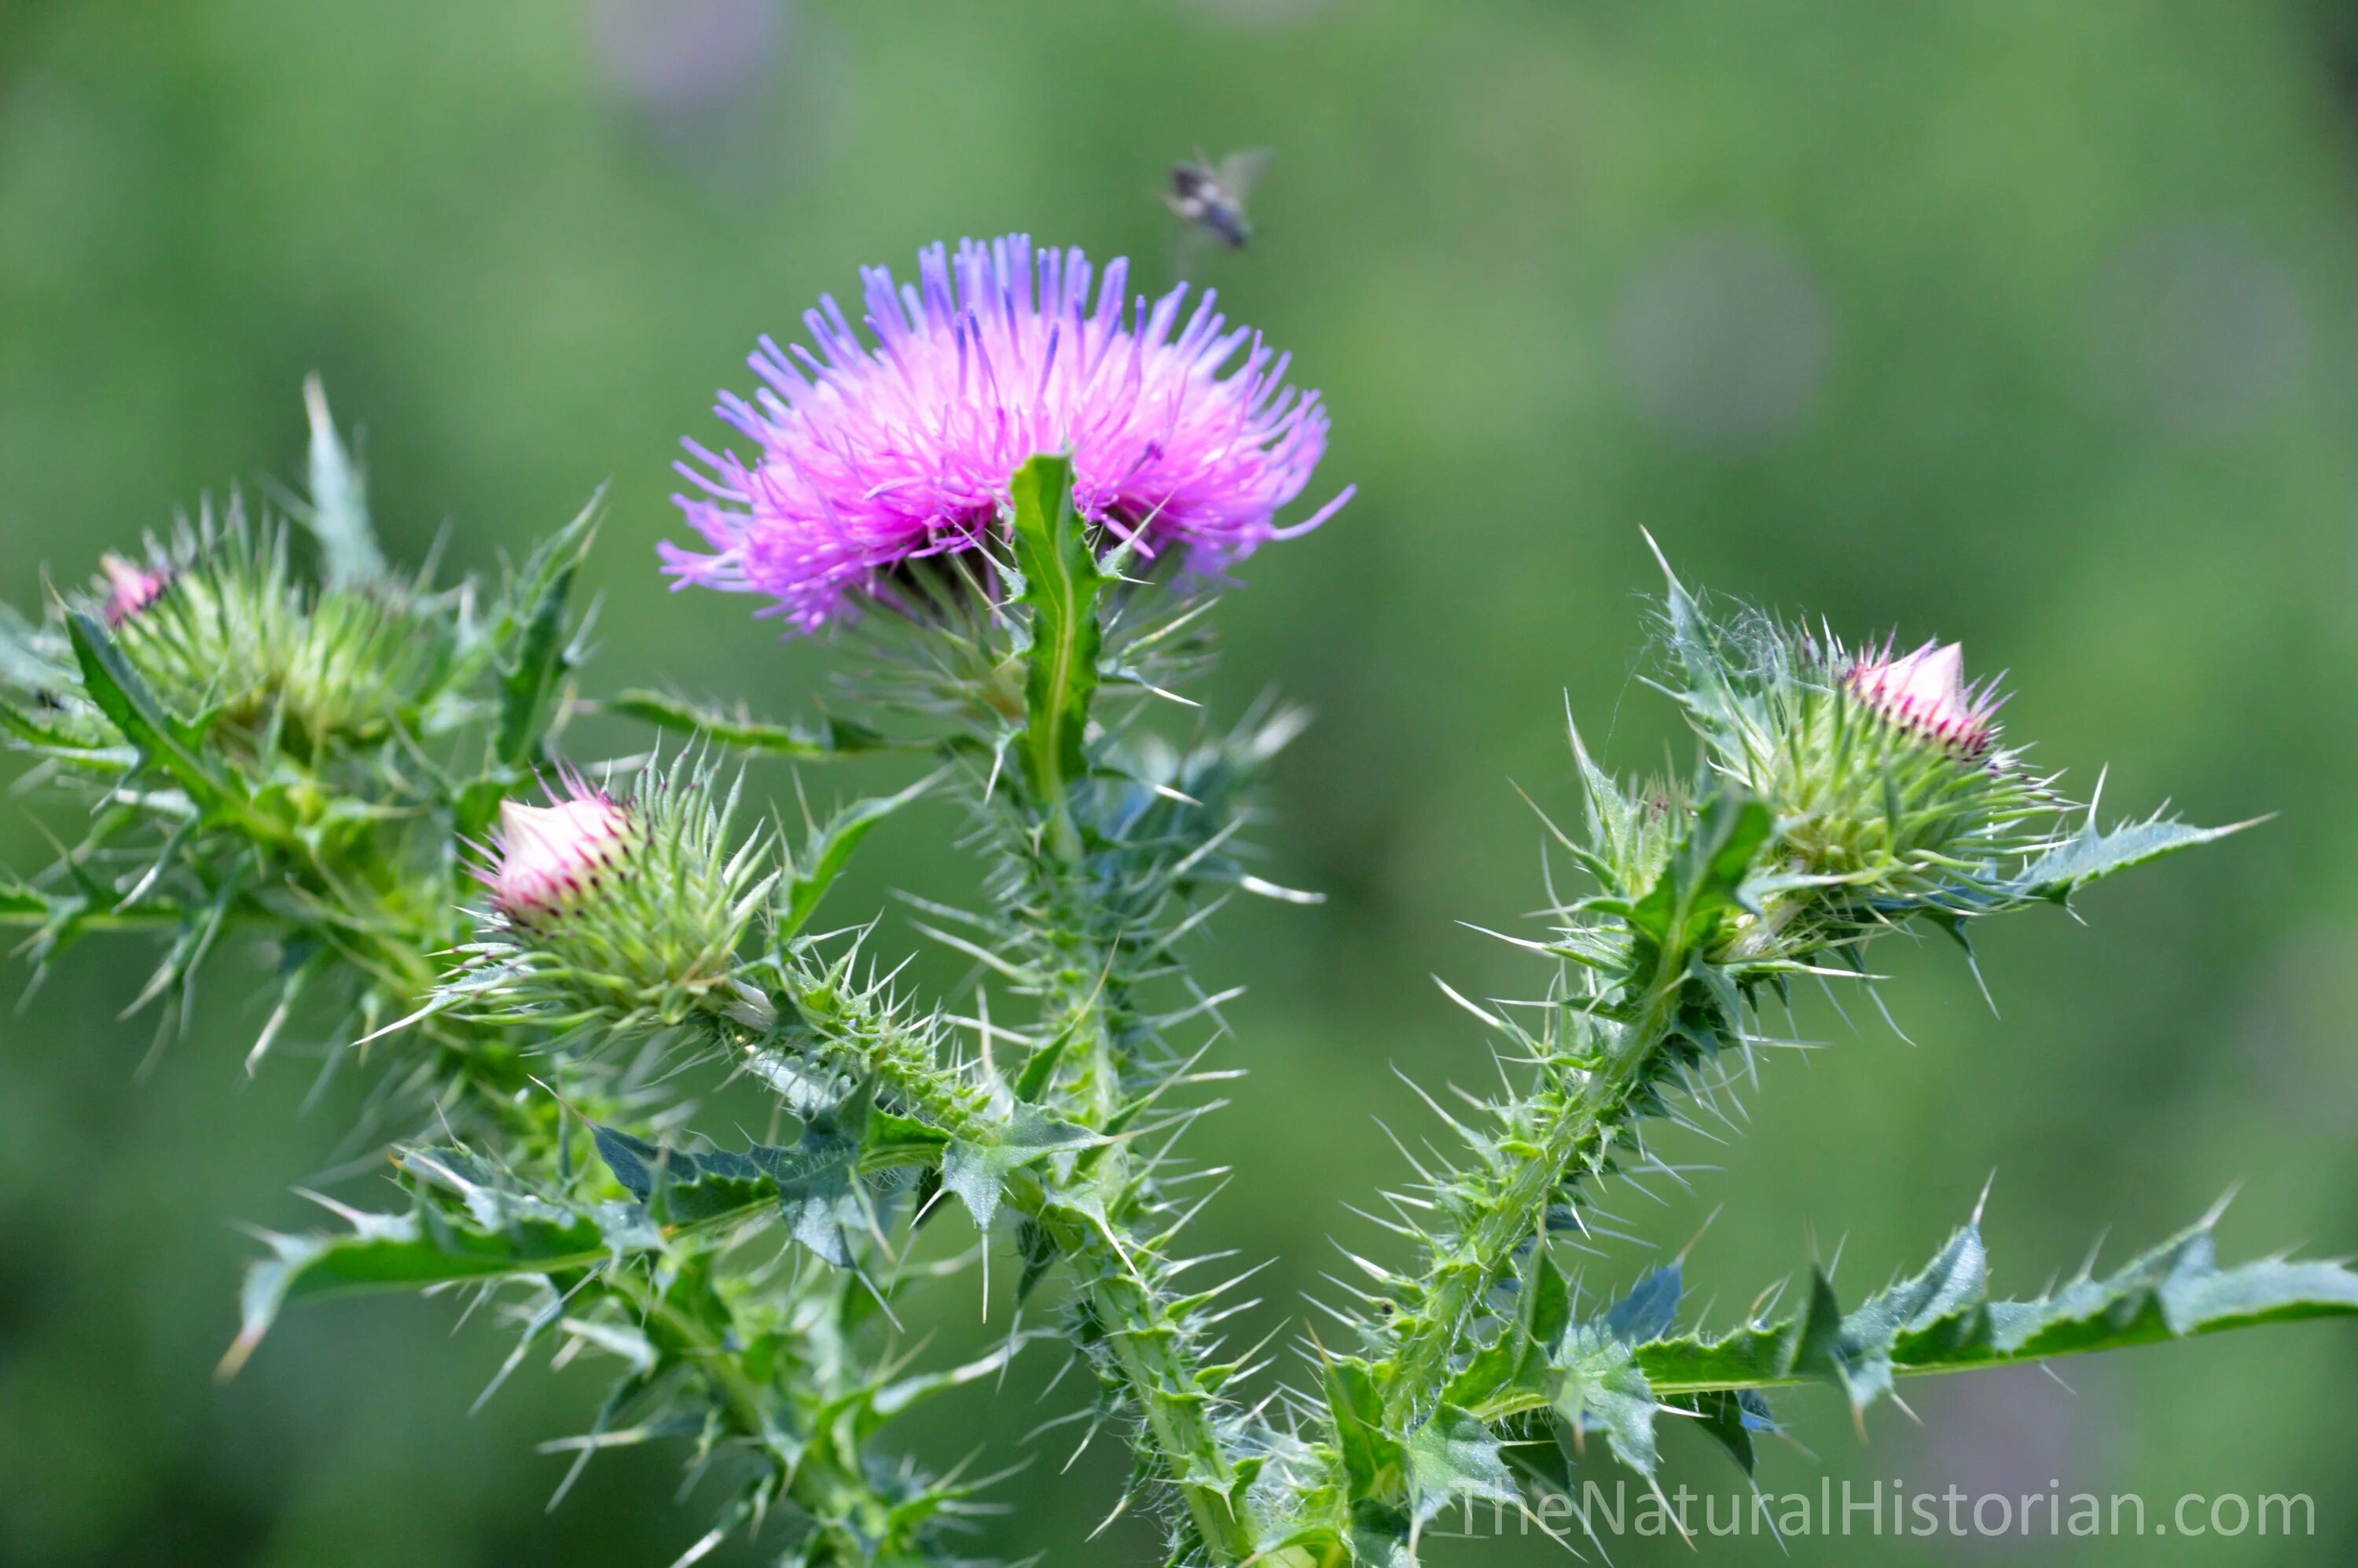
x=1689, y=1247
x=1662, y=561
x=1488, y=1018
x=2219, y=1208
x=2088, y=1268
x=704, y=1548
x=1982, y=1202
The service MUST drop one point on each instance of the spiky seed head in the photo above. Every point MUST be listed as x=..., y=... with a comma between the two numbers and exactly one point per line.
x=552, y=857
x=130, y=588
x=1925, y=694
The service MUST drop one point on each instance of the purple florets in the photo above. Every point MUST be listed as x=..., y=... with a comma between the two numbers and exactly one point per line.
x=1181, y=436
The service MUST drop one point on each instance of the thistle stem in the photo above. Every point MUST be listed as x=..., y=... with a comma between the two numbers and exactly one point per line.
x=1148, y=1341
x=1571, y=1132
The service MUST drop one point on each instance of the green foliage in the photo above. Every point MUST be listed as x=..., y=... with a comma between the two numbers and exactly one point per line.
x=2094, y=853
x=1811, y=824
x=1681, y=914
x=977, y=1171
x=1613, y=1374
x=533, y=642
x=467, y=1225
x=1060, y=581
x=320, y=761
x=337, y=516
x=162, y=740
x=830, y=737
x=829, y=1190
x=1942, y=1320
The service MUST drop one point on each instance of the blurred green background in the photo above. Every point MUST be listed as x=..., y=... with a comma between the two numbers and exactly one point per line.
x=2028, y=323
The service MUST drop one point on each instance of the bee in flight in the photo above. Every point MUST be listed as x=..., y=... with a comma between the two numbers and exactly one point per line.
x=1211, y=197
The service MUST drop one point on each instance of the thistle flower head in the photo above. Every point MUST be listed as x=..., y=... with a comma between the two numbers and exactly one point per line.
x=1925, y=694
x=551, y=858
x=130, y=588
x=1183, y=435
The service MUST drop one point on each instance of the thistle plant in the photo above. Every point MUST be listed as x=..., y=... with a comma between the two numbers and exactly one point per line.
x=1009, y=504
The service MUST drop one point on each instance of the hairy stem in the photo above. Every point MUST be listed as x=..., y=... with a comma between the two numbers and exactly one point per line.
x=1570, y=1131
x=1147, y=1339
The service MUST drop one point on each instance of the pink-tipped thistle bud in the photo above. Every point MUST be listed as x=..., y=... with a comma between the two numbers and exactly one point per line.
x=551, y=858
x=628, y=911
x=1925, y=693
x=131, y=588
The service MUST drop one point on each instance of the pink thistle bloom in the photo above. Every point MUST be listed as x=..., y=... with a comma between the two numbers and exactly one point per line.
x=547, y=859
x=1183, y=436
x=131, y=588
x=1925, y=693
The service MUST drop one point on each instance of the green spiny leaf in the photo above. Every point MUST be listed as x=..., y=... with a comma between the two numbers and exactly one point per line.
x=491, y=1233
x=1375, y=1466
x=338, y=514
x=815, y=1186
x=1947, y=1286
x=1650, y=1308
x=2091, y=854
x=977, y=1172
x=1732, y=1418
x=87, y=747
x=1040, y=1068
x=1062, y=581
x=1454, y=1456
x=1705, y=875
x=161, y=740
x=829, y=851
x=1596, y=1384
x=1939, y=1321
x=681, y=1186
x=1518, y=1358
x=531, y=640
x=828, y=738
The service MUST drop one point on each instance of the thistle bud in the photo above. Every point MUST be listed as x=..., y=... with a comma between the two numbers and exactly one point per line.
x=1891, y=792
x=628, y=911
x=1925, y=694
x=552, y=857
x=130, y=588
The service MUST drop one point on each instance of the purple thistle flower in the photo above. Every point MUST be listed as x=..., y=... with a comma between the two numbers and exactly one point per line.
x=1183, y=436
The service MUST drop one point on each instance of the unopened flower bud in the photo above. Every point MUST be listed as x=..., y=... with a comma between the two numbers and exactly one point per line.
x=551, y=858
x=630, y=911
x=1925, y=694
x=131, y=588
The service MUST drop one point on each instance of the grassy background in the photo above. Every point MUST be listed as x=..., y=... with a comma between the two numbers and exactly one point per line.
x=2031, y=324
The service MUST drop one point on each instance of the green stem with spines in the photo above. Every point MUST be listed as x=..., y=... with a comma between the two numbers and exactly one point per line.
x=1575, y=1123
x=1086, y=953
x=1148, y=1341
